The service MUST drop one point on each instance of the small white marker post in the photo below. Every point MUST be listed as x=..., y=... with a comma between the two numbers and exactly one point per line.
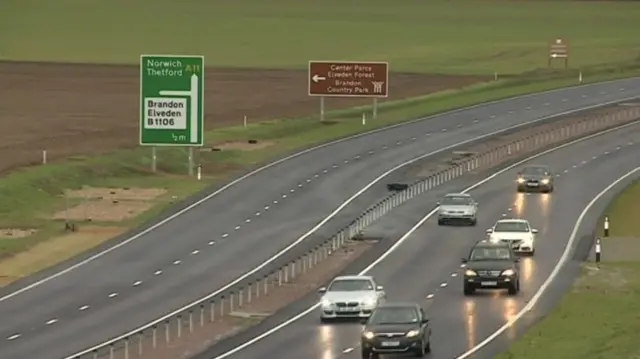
x=364, y=118
x=598, y=251
x=580, y=77
x=44, y=157
x=199, y=172
x=244, y=121
x=495, y=76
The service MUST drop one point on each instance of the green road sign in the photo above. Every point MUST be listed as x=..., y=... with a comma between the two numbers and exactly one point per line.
x=171, y=110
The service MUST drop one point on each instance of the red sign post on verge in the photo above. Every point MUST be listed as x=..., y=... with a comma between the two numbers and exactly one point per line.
x=559, y=49
x=348, y=79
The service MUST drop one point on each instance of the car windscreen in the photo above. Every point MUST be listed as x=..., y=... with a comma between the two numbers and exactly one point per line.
x=538, y=171
x=511, y=227
x=489, y=254
x=350, y=285
x=396, y=315
x=456, y=201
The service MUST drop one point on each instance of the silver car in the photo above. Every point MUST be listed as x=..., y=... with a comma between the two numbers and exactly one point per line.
x=458, y=208
x=350, y=297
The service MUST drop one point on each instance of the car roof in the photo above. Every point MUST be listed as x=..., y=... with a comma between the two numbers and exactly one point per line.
x=512, y=220
x=488, y=243
x=399, y=305
x=347, y=277
x=535, y=166
x=457, y=195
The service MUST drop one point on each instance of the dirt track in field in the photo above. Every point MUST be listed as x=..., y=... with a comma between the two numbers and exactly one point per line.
x=87, y=109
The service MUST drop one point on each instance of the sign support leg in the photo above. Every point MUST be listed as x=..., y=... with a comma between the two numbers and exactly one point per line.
x=375, y=107
x=321, y=108
x=154, y=163
x=190, y=161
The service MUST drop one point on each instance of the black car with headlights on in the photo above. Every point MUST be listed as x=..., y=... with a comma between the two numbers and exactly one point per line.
x=396, y=328
x=491, y=265
x=535, y=178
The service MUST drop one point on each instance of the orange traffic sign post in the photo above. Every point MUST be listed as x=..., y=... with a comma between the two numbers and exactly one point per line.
x=558, y=49
x=348, y=79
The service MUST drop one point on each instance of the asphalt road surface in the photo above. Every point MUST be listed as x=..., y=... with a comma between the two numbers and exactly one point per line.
x=233, y=232
x=426, y=267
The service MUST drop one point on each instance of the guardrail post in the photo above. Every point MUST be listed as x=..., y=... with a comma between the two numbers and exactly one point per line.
x=222, y=306
x=212, y=310
x=240, y=297
x=231, y=302
x=154, y=336
x=167, y=329
x=280, y=277
x=190, y=320
x=266, y=282
x=126, y=348
x=202, y=315
x=294, y=269
x=179, y=325
x=111, y=351
x=95, y=354
x=249, y=291
x=140, y=338
x=286, y=273
x=305, y=258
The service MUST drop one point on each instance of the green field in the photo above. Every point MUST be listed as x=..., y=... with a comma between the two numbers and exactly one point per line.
x=425, y=36
x=623, y=213
x=459, y=36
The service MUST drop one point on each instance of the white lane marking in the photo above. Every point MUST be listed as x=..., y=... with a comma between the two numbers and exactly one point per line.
x=584, y=96
x=574, y=166
x=257, y=213
x=284, y=196
x=113, y=295
x=430, y=296
x=370, y=152
x=459, y=126
x=399, y=143
x=566, y=171
x=564, y=100
x=225, y=235
x=83, y=308
x=529, y=108
x=583, y=162
x=247, y=220
x=510, y=112
x=444, y=130
x=413, y=138
x=454, y=274
x=177, y=262
x=137, y=283
x=554, y=273
x=492, y=116
x=292, y=190
x=622, y=89
x=211, y=243
x=397, y=244
x=325, y=171
x=308, y=180
x=427, y=134
x=158, y=272
x=384, y=147
x=266, y=208
x=476, y=120
x=195, y=252
x=335, y=166
x=316, y=175
x=348, y=350
x=299, y=185
x=51, y=321
x=594, y=157
x=237, y=227
x=463, y=265
x=298, y=154
x=275, y=201
x=13, y=337
x=442, y=285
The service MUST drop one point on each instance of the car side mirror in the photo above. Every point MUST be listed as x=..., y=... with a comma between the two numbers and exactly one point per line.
x=322, y=290
x=379, y=288
x=425, y=320
x=489, y=230
x=534, y=231
x=463, y=260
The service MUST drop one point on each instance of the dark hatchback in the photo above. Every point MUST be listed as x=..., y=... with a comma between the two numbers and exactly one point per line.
x=535, y=178
x=491, y=265
x=396, y=328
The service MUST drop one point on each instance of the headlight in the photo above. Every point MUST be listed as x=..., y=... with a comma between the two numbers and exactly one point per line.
x=508, y=272
x=545, y=181
x=369, y=301
x=520, y=180
x=470, y=273
x=368, y=335
x=413, y=333
x=326, y=303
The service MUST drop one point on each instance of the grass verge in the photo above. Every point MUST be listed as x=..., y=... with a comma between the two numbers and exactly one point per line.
x=596, y=319
x=29, y=196
x=623, y=212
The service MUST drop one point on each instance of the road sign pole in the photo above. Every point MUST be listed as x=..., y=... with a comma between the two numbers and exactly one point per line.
x=190, y=161
x=154, y=163
x=375, y=108
x=321, y=108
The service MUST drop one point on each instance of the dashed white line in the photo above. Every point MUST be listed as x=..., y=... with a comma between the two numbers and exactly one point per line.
x=335, y=166
x=606, y=152
x=308, y=180
x=476, y=120
x=463, y=265
x=413, y=138
x=348, y=350
x=316, y=175
x=176, y=262
x=510, y=112
x=158, y=272
x=430, y=296
x=13, y=337
x=292, y=190
x=584, y=162
x=509, y=209
x=51, y=321
x=427, y=134
x=528, y=108
x=266, y=208
x=566, y=171
x=399, y=143
x=574, y=166
x=459, y=126
x=211, y=243
x=594, y=157
x=83, y=308
x=247, y=220
x=630, y=143
x=617, y=148
x=384, y=147
x=370, y=152
x=237, y=227
x=444, y=130
x=137, y=283
x=492, y=116
x=564, y=100
x=284, y=196
x=257, y=213
x=454, y=274
x=113, y=295
x=442, y=285
x=225, y=235
x=275, y=201
x=346, y=161
x=622, y=89
x=195, y=252
x=584, y=96
x=557, y=175
x=357, y=157
x=325, y=171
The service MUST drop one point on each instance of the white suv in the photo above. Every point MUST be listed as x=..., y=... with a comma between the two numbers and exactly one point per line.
x=517, y=232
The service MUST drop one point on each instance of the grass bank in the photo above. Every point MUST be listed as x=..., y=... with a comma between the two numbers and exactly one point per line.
x=623, y=213
x=28, y=197
x=459, y=36
x=596, y=319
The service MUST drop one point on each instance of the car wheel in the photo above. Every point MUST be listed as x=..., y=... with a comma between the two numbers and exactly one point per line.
x=513, y=289
x=427, y=349
x=468, y=290
x=420, y=352
x=324, y=320
x=533, y=251
x=441, y=222
x=473, y=222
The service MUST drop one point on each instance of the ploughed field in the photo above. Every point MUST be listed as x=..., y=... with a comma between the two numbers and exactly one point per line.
x=84, y=109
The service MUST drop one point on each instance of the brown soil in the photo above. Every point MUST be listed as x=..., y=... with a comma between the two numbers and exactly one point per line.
x=206, y=333
x=127, y=194
x=16, y=232
x=86, y=109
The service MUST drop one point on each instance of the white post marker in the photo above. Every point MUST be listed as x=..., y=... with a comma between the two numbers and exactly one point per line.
x=580, y=77
x=606, y=226
x=44, y=157
x=364, y=118
x=244, y=121
x=199, y=172
x=598, y=251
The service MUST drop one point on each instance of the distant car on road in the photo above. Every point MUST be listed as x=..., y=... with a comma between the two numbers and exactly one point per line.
x=458, y=208
x=535, y=178
x=396, y=328
x=350, y=297
x=515, y=232
x=491, y=265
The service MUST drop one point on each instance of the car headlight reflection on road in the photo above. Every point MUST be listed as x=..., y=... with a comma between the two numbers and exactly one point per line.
x=413, y=333
x=520, y=180
x=470, y=273
x=508, y=272
x=368, y=335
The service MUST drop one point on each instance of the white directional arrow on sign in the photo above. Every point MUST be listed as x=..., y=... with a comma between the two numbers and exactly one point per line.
x=193, y=95
x=318, y=78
